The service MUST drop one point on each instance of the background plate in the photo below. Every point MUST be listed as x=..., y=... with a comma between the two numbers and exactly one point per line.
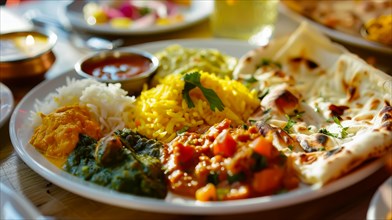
x=21, y=131
x=335, y=34
x=197, y=11
x=381, y=202
x=6, y=103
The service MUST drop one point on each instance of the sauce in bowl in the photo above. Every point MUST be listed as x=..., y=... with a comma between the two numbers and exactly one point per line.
x=123, y=67
x=130, y=67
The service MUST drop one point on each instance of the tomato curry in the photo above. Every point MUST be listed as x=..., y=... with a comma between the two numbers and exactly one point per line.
x=226, y=163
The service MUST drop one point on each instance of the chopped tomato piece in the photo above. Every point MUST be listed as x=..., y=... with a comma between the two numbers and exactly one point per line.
x=184, y=153
x=263, y=146
x=290, y=182
x=268, y=180
x=214, y=131
x=224, y=144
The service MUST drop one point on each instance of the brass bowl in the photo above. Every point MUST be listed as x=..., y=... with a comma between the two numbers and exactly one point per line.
x=19, y=69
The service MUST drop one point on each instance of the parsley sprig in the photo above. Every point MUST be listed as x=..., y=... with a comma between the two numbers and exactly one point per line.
x=192, y=80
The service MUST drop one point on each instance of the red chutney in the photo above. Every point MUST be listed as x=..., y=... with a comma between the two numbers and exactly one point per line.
x=226, y=163
x=115, y=68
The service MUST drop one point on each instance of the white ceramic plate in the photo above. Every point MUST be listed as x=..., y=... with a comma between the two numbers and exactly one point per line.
x=355, y=40
x=15, y=206
x=381, y=202
x=197, y=11
x=6, y=103
x=21, y=131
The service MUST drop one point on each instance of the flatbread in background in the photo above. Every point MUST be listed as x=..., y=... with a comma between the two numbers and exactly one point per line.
x=329, y=110
x=344, y=15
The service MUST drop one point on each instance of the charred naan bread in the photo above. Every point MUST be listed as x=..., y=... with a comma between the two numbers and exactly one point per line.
x=327, y=109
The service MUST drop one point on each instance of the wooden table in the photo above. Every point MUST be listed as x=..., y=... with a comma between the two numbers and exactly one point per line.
x=350, y=203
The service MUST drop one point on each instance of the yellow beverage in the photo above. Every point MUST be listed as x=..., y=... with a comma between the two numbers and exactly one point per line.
x=252, y=20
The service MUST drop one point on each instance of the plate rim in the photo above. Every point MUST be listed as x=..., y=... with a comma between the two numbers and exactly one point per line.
x=335, y=34
x=6, y=93
x=94, y=192
x=373, y=209
x=107, y=30
x=18, y=202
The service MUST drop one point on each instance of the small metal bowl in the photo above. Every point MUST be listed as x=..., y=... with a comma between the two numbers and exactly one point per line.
x=19, y=68
x=89, y=66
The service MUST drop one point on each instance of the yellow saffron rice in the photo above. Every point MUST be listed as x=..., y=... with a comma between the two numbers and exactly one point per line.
x=161, y=111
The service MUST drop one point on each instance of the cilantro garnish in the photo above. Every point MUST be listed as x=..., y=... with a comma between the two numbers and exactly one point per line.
x=213, y=178
x=326, y=132
x=182, y=130
x=263, y=94
x=343, y=132
x=251, y=79
x=289, y=125
x=267, y=62
x=297, y=114
x=192, y=80
x=236, y=177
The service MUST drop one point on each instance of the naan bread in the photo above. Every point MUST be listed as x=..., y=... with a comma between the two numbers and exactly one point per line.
x=327, y=108
x=346, y=16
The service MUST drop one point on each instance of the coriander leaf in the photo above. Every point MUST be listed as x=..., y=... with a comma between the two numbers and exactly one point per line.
x=326, y=132
x=289, y=125
x=252, y=121
x=185, y=94
x=236, y=177
x=259, y=162
x=213, y=99
x=268, y=110
x=264, y=94
x=182, y=130
x=343, y=132
x=213, y=178
x=192, y=80
x=268, y=62
x=251, y=79
x=336, y=120
x=297, y=114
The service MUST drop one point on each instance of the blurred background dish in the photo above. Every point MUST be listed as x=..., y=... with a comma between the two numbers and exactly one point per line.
x=15, y=206
x=93, y=43
x=257, y=21
x=116, y=19
x=26, y=55
x=381, y=204
x=6, y=103
x=340, y=20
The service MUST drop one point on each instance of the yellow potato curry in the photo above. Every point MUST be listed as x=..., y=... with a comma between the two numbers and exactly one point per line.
x=59, y=132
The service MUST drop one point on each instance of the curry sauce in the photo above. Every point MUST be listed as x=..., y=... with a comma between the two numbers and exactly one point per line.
x=59, y=132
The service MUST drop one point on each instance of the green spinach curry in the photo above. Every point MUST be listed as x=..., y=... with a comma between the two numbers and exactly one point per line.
x=124, y=161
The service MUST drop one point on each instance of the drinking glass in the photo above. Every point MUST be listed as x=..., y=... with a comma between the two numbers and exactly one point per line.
x=251, y=20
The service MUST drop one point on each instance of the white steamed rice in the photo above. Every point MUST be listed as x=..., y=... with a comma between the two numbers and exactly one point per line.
x=108, y=104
